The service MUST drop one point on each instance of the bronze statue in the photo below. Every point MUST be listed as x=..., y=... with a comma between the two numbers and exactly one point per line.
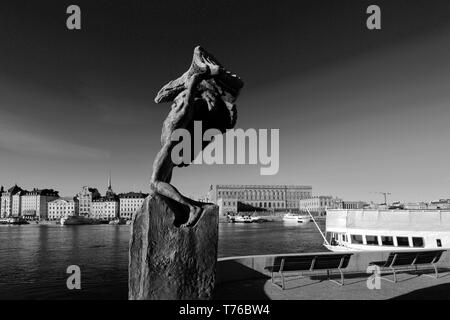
x=206, y=92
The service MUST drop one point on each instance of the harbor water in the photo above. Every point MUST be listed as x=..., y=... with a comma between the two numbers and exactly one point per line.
x=34, y=258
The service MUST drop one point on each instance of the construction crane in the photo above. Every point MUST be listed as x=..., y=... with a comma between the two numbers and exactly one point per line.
x=385, y=194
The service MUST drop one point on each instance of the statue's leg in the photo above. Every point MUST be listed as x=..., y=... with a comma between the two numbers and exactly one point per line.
x=162, y=172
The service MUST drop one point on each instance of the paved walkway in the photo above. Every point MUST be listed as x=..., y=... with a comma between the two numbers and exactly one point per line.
x=409, y=286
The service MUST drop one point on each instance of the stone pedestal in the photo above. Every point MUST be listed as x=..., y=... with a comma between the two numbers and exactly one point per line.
x=168, y=262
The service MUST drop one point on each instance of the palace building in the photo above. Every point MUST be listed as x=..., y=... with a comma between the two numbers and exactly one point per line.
x=318, y=205
x=266, y=197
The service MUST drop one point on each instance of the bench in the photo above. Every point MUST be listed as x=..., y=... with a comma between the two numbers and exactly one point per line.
x=309, y=263
x=407, y=259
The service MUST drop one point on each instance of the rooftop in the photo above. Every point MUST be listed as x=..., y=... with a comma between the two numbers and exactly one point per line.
x=42, y=192
x=264, y=186
x=133, y=195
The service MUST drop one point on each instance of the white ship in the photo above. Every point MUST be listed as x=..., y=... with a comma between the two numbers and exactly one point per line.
x=390, y=230
x=76, y=220
x=290, y=217
x=246, y=219
x=118, y=221
x=243, y=219
x=13, y=220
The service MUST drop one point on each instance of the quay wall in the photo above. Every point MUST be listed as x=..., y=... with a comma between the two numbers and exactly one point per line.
x=232, y=269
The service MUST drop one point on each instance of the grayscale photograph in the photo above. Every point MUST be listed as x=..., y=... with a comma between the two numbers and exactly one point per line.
x=224, y=155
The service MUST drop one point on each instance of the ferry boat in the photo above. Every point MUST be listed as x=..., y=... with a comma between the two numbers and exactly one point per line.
x=390, y=230
x=242, y=219
x=290, y=217
x=246, y=219
x=76, y=220
x=13, y=220
x=118, y=221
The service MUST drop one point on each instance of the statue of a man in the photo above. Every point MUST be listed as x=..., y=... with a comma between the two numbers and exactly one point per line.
x=206, y=92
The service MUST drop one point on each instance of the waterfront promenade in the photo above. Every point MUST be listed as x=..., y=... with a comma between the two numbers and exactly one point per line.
x=245, y=278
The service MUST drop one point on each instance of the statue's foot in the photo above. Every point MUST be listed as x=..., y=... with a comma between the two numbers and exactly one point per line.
x=194, y=215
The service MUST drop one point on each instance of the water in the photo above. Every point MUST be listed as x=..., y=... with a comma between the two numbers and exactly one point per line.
x=238, y=239
x=34, y=259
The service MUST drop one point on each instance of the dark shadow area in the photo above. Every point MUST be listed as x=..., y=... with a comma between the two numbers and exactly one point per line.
x=439, y=292
x=247, y=283
x=244, y=207
x=290, y=282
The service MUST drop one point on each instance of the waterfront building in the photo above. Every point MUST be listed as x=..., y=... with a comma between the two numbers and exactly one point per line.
x=62, y=208
x=416, y=206
x=85, y=198
x=34, y=204
x=107, y=207
x=228, y=206
x=10, y=203
x=351, y=205
x=441, y=204
x=2, y=190
x=266, y=197
x=204, y=199
x=129, y=203
x=318, y=205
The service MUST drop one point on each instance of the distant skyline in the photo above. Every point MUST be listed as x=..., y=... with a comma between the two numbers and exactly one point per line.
x=359, y=111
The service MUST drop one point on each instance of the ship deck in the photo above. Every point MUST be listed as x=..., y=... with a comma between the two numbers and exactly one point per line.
x=243, y=278
x=409, y=286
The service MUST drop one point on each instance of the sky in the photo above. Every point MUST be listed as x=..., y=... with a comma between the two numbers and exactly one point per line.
x=358, y=111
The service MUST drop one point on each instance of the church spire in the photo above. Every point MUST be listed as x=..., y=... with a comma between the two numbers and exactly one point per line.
x=109, y=181
x=110, y=191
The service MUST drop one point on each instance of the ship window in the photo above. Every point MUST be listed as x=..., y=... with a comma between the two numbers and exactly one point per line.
x=387, y=241
x=417, y=242
x=438, y=242
x=372, y=240
x=357, y=239
x=402, y=242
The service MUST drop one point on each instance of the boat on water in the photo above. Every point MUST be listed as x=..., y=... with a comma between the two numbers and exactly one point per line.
x=118, y=221
x=242, y=219
x=390, y=230
x=246, y=219
x=76, y=220
x=47, y=222
x=290, y=217
x=259, y=219
x=13, y=220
